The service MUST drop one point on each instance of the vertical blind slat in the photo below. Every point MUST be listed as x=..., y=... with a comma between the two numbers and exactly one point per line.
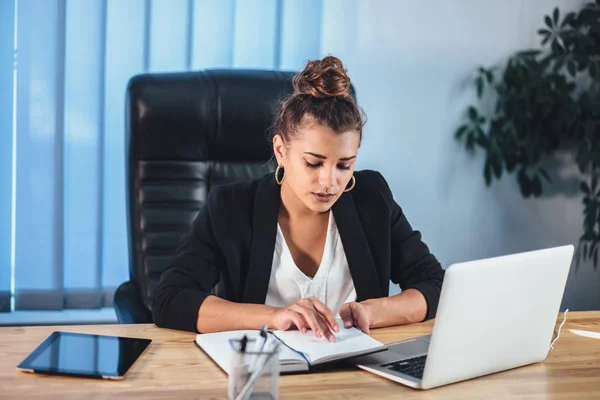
x=340, y=29
x=168, y=35
x=40, y=87
x=212, y=33
x=300, y=32
x=7, y=25
x=125, y=57
x=254, y=38
x=83, y=124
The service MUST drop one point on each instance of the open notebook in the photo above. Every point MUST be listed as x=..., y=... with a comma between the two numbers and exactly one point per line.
x=300, y=351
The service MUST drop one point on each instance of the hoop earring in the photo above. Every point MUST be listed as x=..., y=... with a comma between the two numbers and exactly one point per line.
x=351, y=187
x=279, y=181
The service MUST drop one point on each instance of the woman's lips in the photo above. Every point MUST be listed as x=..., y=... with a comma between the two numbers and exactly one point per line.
x=323, y=198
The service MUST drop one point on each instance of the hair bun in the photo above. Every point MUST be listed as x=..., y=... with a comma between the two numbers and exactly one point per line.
x=323, y=78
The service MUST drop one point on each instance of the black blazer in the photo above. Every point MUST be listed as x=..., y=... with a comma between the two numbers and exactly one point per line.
x=233, y=240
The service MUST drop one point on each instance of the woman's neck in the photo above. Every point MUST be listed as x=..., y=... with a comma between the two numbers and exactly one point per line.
x=293, y=208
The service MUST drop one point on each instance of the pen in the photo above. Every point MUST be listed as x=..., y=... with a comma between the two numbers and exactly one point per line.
x=243, y=344
x=263, y=334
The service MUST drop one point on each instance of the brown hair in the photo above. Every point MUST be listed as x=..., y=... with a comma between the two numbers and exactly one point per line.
x=321, y=95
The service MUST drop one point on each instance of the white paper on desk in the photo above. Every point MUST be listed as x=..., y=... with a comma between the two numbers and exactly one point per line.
x=589, y=334
x=217, y=346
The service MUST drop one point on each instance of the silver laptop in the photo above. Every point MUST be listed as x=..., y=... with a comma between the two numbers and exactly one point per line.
x=493, y=315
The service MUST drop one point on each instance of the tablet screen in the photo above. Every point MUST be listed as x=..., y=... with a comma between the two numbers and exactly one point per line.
x=81, y=354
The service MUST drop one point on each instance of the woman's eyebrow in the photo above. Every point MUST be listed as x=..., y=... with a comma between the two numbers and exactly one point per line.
x=325, y=158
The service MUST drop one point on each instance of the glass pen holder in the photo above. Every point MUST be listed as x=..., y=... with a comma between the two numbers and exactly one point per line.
x=253, y=374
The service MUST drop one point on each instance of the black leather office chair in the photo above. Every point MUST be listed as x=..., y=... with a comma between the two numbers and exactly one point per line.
x=187, y=132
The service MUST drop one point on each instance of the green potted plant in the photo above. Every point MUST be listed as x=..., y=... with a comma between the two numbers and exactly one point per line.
x=546, y=101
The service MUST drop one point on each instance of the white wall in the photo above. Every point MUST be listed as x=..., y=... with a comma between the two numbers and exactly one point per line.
x=411, y=62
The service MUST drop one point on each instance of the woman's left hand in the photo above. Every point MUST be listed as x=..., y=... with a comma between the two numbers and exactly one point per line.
x=356, y=314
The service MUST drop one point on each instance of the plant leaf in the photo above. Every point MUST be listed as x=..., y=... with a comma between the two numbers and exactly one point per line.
x=470, y=145
x=559, y=62
x=579, y=253
x=571, y=67
x=555, y=16
x=510, y=163
x=548, y=21
x=536, y=186
x=544, y=173
x=584, y=187
x=569, y=18
x=523, y=181
x=528, y=53
x=496, y=162
x=472, y=113
x=479, y=85
x=577, y=257
x=487, y=172
x=460, y=131
x=594, y=182
x=556, y=47
x=594, y=245
x=582, y=63
x=481, y=138
x=546, y=40
x=589, y=220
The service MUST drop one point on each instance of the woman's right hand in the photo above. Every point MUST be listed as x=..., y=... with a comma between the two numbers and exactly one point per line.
x=309, y=313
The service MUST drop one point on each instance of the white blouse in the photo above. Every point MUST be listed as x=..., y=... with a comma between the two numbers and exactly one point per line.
x=332, y=284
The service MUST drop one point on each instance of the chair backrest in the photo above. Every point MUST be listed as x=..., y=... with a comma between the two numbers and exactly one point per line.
x=187, y=132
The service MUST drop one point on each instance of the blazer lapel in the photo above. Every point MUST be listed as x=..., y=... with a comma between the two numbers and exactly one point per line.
x=264, y=229
x=360, y=260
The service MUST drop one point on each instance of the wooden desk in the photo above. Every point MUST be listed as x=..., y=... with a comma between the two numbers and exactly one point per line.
x=174, y=368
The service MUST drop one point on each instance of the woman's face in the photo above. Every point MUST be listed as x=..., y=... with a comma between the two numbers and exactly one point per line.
x=318, y=164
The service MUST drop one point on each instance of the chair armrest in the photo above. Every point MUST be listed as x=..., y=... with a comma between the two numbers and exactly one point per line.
x=129, y=306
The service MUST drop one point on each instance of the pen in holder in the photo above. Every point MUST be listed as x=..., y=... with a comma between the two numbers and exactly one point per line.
x=254, y=374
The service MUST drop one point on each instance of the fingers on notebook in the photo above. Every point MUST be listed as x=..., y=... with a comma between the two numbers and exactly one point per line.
x=315, y=321
x=346, y=315
x=355, y=315
x=310, y=313
x=326, y=313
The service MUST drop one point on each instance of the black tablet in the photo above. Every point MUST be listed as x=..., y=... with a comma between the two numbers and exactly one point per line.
x=80, y=354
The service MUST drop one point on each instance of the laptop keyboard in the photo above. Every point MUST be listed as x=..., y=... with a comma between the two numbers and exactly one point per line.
x=411, y=366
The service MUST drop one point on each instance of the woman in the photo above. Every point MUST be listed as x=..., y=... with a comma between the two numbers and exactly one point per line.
x=312, y=242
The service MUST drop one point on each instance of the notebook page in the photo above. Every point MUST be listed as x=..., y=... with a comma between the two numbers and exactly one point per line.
x=348, y=342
